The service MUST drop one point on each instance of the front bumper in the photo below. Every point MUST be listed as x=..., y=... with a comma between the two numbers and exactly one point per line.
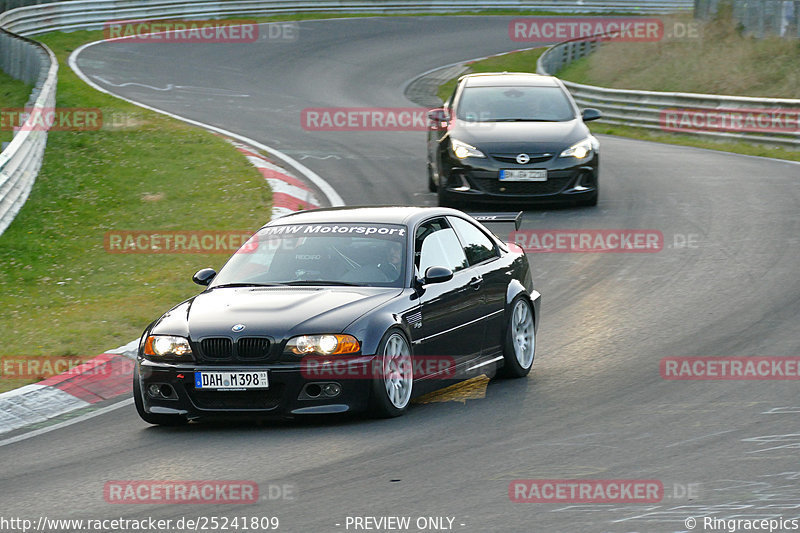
x=477, y=180
x=290, y=391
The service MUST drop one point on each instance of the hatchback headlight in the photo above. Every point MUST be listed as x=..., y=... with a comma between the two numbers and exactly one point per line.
x=581, y=149
x=322, y=345
x=463, y=150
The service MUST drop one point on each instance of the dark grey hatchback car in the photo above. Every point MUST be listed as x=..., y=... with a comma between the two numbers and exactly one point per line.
x=512, y=138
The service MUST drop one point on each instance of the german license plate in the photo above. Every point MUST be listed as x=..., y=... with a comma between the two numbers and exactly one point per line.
x=231, y=380
x=524, y=175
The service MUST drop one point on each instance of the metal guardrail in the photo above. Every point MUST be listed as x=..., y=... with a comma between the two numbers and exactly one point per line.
x=91, y=14
x=758, y=17
x=655, y=110
x=32, y=63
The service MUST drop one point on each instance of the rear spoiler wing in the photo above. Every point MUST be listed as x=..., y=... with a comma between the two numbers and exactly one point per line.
x=497, y=221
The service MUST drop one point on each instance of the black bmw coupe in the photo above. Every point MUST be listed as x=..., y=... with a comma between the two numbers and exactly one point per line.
x=341, y=309
x=512, y=138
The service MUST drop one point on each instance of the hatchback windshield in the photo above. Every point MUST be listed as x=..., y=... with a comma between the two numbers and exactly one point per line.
x=320, y=254
x=512, y=104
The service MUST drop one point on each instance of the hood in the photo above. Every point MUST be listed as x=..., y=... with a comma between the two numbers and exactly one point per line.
x=509, y=137
x=277, y=312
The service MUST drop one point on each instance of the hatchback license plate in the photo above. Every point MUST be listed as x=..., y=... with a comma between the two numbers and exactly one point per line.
x=524, y=175
x=231, y=380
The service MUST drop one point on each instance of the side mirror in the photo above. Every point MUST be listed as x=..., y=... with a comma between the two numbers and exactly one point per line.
x=438, y=274
x=204, y=277
x=591, y=113
x=438, y=115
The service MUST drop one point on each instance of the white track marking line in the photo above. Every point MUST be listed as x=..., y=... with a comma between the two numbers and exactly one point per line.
x=65, y=423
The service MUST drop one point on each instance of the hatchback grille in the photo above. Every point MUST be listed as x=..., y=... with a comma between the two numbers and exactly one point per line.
x=512, y=158
x=551, y=186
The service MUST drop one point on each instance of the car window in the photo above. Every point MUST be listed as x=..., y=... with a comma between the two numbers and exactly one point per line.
x=349, y=253
x=477, y=246
x=493, y=104
x=438, y=245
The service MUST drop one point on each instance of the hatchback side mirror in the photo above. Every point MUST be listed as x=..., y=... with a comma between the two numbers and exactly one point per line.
x=204, y=277
x=591, y=113
x=438, y=115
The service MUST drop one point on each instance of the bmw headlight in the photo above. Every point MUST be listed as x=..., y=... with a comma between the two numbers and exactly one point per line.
x=463, y=150
x=322, y=345
x=581, y=149
x=167, y=347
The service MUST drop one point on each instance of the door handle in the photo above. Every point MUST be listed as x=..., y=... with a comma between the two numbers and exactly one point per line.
x=476, y=282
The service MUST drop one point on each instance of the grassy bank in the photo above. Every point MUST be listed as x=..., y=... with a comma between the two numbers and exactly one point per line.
x=721, y=60
x=61, y=292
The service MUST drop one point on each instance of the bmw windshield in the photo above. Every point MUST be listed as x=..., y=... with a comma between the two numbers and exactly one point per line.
x=320, y=254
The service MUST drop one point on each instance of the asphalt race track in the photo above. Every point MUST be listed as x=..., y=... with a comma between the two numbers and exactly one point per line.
x=595, y=406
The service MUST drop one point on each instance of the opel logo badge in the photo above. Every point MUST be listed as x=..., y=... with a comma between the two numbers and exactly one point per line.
x=238, y=327
x=523, y=158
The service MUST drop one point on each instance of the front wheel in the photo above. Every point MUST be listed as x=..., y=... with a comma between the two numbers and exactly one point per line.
x=150, y=418
x=391, y=389
x=520, y=343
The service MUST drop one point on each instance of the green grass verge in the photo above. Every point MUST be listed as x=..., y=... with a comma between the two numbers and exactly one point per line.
x=13, y=94
x=61, y=293
x=720, y=60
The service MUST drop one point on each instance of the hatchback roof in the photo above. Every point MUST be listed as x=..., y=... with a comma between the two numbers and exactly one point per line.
x=509, y=79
